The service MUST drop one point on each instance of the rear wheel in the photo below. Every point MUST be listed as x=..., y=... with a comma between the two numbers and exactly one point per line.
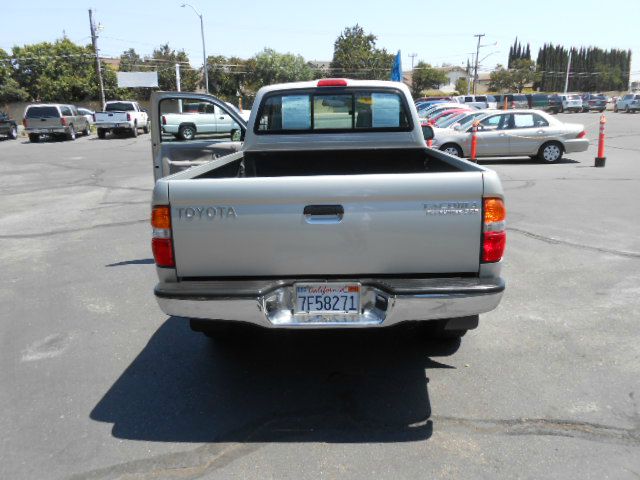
x=550, y=152
x=145, y=129
x=615, y=108
x=102, y=133
x=451, y=149
x=187, y=132
x=561, y=109
x=134, y=130
x=85, y=132
x=13, y=133
x=71, y=134
x=34, y=137
x=627, y=109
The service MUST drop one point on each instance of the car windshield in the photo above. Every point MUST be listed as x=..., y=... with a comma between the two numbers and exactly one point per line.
x=118, y=107
x=573, y=97
x=450, y=120
x=42, y=112
x=467, y=122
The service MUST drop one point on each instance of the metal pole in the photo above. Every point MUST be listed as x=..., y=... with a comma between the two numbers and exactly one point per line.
x=475, y=70
x=204, y=58
x=94, y=42
x=178, y=85
x=566, y=82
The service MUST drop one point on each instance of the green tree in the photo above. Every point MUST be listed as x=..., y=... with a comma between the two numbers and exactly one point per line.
x=164, y=60
x=500, y=79
x=462, y=86
x=227, y=76
x=522, y=73
x=269, y=67
x=426, y=77
x=10, y=90
x=355, y=55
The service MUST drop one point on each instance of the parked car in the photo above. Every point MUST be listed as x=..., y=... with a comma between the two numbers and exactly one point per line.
x=121, y=116
x=447, y=114
x=54, y=119
x=8, y=126
x=477, y=101
x=295, y=230
x=543, y=101
x=594, y=101
x=430, y=111
x=627, y=103
x=430, y=99
x=513, y=100
x=466, y=119
x=570, y=102
x=515, y=133
x=198, y=118
x=88, y=114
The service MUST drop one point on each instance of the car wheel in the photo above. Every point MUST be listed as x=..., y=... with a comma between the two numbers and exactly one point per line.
x=102, y=133
x=627, y=109
x=85, y=132
x=585, y=110
x=561, y=110
x=13, y=133
x=451, y=149
x=34, y=137
x=145, y=129
x=550, y=152
x=187, y=132
x=134, y=130
x=615, y=108
x=71, y=135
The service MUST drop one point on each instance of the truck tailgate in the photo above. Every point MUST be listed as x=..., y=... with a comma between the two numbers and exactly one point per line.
x=110, y=117
x=327, y=225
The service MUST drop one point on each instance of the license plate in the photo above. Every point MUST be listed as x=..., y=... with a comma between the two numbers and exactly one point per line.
x=327, y=298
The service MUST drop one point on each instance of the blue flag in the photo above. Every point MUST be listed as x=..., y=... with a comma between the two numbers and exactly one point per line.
x=396, y=71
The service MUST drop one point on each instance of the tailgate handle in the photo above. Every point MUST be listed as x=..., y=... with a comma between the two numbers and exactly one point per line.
x=323, y=213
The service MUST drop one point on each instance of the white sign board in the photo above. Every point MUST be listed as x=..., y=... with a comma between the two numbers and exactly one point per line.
x=137, y=79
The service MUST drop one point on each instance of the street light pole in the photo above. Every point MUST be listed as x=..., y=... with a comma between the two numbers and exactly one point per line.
x=204, y=51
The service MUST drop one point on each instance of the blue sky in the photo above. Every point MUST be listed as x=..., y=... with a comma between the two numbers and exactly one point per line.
x=436, y=31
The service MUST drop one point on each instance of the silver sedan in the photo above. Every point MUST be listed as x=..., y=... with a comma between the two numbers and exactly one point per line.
x=515, y=133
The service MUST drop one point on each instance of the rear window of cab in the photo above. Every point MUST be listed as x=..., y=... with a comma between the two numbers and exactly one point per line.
x=333, y=110
x=42, y=112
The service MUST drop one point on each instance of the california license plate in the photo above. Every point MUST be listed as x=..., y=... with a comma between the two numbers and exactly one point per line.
x=327, y=297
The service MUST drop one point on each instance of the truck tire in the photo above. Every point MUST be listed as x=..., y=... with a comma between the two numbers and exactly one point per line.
x=13, y=133
x=145, y=129
x=34, y=137
x=85, y=132
x=550, y=152
x=615, y=108
x=134, y=130
x=102, y=133
x=71, y=134
x=187, y=132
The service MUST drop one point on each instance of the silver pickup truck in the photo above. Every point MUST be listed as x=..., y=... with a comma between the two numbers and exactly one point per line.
x=333, y=214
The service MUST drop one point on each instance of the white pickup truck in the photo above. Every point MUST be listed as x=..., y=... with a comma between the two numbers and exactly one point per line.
x=120, y=116
x=334, y=214
x=199, y=118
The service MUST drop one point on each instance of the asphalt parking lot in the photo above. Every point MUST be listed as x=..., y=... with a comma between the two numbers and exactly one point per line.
x=97, y=383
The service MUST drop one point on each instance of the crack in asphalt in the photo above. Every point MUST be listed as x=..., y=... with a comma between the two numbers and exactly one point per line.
x=192, y=464
x=557, y=241
x=64, y=231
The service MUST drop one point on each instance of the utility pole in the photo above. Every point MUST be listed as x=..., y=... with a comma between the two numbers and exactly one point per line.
x=204, y=52
x=566, y=82
x=94, y=42
x=475, y=69
x=178, y=85
x=413, y=56
x=469, y=75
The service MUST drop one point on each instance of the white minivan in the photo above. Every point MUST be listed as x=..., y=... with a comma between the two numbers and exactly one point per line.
x=571, y=102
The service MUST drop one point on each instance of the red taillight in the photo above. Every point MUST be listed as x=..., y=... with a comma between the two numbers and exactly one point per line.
x=513, y=105
x=582, y=134
x=161, y=243
x=128, y=117
x=493, y=246
x=494, y=236
x=63, y=121
x=24, y=122
x=94, y=117
x=332, y=82
x=163, y=252
x=164, y=120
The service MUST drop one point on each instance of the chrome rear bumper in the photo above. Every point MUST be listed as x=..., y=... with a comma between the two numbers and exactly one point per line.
x=386, y=302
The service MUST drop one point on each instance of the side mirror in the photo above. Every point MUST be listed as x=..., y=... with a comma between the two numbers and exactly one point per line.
x=427, y=132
